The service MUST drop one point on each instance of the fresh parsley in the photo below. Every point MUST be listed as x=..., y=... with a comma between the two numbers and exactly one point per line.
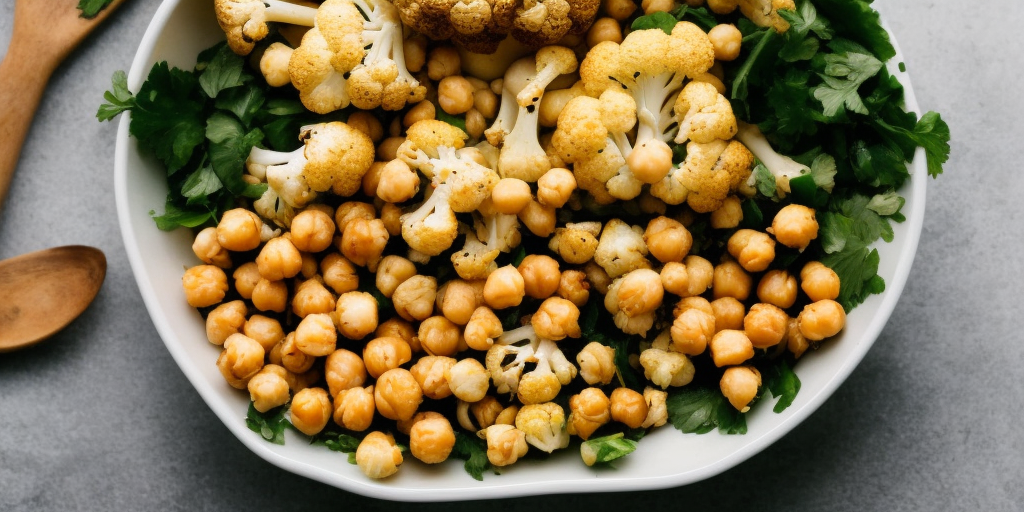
x=91, y=8
x=269, y=425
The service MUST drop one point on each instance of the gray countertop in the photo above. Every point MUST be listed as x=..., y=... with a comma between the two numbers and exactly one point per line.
x=101, y=418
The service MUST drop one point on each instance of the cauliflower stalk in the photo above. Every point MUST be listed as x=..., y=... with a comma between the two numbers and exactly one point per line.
x=334, y=156
x=782, y=167
x=245, y=22
x=506, y=360
x=492, y=233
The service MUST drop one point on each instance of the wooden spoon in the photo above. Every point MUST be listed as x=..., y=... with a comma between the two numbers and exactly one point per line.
x=44, y=291
x=44, y=33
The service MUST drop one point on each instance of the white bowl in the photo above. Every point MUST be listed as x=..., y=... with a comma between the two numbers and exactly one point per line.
x=182, y=28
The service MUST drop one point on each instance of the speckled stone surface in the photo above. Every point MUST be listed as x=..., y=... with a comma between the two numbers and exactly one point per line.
x=100, y=417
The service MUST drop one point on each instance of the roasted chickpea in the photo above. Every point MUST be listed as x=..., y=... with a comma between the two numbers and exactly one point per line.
x=429, y=371
x=541, y=275
x=343, y=369
x=270, y=295
x=597, y=363
x=819, y=282
x=821, y=319
x=555, y=186
x=455, y=94
x=366, y=122
x=241, y=358
x=482, y=328
x=796, y=343
x=511, y=195
x=667, y=239
x=205, y=285
x=468, y=380
x=363, y=242
x=393, y=271
x=385, y=353
x=729, y=313
x=794, y=226
x=431, y=438
x=730, y=347
x=225, y=320
x=378, y=456
x=753, y=250
x=398, y=182
x=339, y=273
x=573, y=286
x=726, y=40
x=765, y=325
x=246, y=276
x=650, y=161
x=739, y=384
x=551, y=105
x=637, y=293
x=421, y=111
x=415, y=50
x=505, y=287
x=443, y=61
x=556, y=319
x=398, y=328
x=269, y=388
x=589, y=410
x=439, y=336
x=597, y=276
x=730, y=280
x=628, y=407
x=208, y=249
x=777, y=287
x=288, y=355
x=391, y=216
x=310, y=266
x=478, y=415
x=316, y=335
x=675, y=279
x=311, y=296
x=604, y=29
x=354, y=408
x=692, y=330
x=312, y=230
x=729, y=215
x=538, y=218
x=387, y=150
x=414, y=298
x=265, y=330
x=457, y=300
x=618, y=9
x=397, y=394
x=356, y=314
x=476, y=124
x=700, y=275
x=239, y=230
x=722, y=6
x=279, y=259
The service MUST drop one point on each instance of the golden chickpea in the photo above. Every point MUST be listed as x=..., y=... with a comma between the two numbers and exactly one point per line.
x=239, y=230
x=729, y=313
x=311, y=296
x=371, y=180
x=205, y=285
x=637, y=293
x=796, y=343
x=241, y=358
x=397, y=394
x=604, y=29
x=208, y=249
x=378, y=456
x=478, y=415
x=455, y=94
x=246, y=276
x=597, y=363
x=421, y=111
x=457, y=300
x=694, y=302
x=268, y=388
x=443, y=61
x=468, y=380
x=398, y=328
x=588, y=410
x=279, y=259
x=504, y=288
x=700, y=275
x=393, y=271
x=385, y=353
x=414, y=298
x=439, y=336
x=485, y=102
x=363, y=242
x=753, y=250
x=312, y=231
x=650, y=161
x=354, y=408
x=556, y=319
x=675, y=279
x=476, y=124
x=777, y=287
x=551, y=105
x=310, y=266
x=431, y=438
x=628, y=407
x=730, y=347
x=343, y=369
x=351, y=210
x=415, y=50
x=555, y=186
x=667, y=239
x=316, y=335
x=729, y=215
x=573, y=286
x=726, y=40
x=387, y=150
x=731, y=281
x=339, y=273
x=597, y=277
x=429, y=371
x=765, y=325
x=366, y=122
x=505, y=444
x=225, y=320
x=398, y=182
x=511, y=195
x=507, y=416
x=722, y=6
x=821, y=319
x=692, y=330
x=739, y=384
x=618, y=9
x=482, y=328
x=391, y=216
x=819, y=282
x=270, y=295
x=541, y=275
x=538, y=218
x=265, y=330
x=356, y=314
x=288, y=355
x=795, y=226
x=657, y=408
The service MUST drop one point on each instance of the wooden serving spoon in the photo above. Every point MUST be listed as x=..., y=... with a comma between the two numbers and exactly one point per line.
x=40, y=292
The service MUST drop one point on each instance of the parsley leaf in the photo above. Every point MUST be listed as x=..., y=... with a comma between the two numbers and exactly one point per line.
x=473, y=450
x=91, y=8
x=602, y=450
x=856, y=19
x=843, y=76
x=119, y=98
x=702, y=409
x=782, y=382
x=269, y=425
x=167, y=117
